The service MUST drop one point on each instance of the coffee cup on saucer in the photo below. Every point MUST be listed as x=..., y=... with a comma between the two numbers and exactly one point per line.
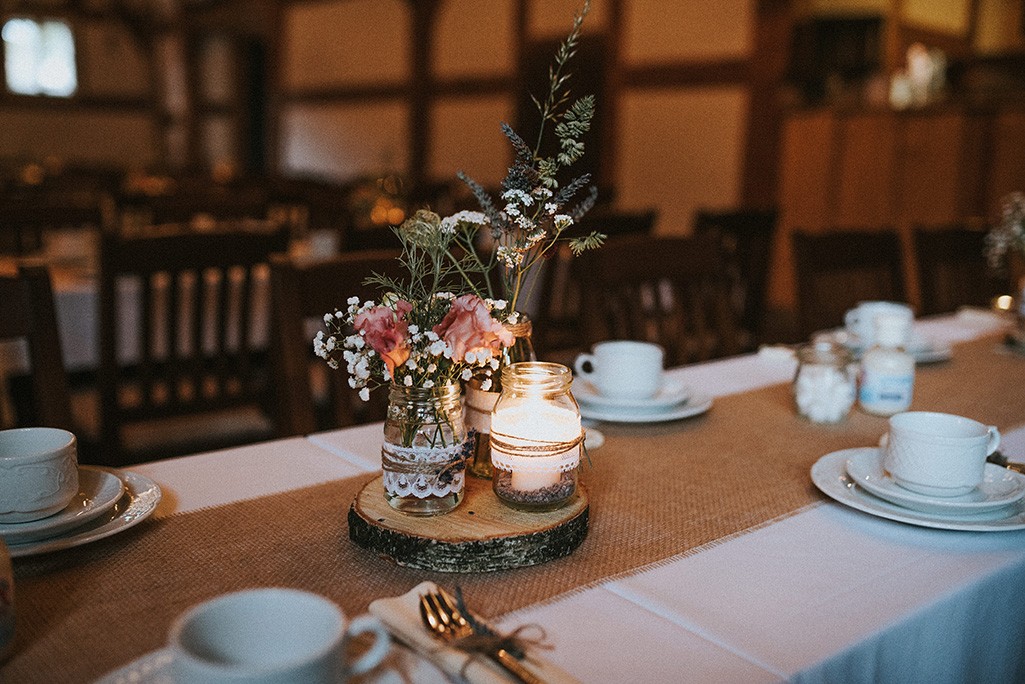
x=937, y=454
x=270, y=636
x=623, y=368
x=860, y=321
x=38, y=472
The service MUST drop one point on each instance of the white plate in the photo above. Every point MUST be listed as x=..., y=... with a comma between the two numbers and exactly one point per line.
x=921, y=349
x=1000, y=487
x=98, y=491
x=139, y=501
x=671, y=393
x=152, y=668
x=933, y=354
x=830, y=475
x=697, y=404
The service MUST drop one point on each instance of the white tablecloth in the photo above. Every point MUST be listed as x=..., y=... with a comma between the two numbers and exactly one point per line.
x=827, y=595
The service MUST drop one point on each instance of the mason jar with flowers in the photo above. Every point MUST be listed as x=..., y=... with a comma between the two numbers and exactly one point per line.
x=420, y=340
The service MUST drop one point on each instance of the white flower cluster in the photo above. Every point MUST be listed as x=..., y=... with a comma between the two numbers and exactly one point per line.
x=531, y=222
x=428, y=359
x=449, y=224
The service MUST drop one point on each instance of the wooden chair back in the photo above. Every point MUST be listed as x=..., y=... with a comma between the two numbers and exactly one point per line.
x=25, y=221
x=667, y=290
x=311, y=396
x=27, y=312
x=746, y=237
x=180, y=331
x=953, y=270
x=557, y=334
x=838, y=269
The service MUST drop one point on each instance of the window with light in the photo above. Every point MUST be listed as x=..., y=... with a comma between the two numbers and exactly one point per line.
x=39, y=57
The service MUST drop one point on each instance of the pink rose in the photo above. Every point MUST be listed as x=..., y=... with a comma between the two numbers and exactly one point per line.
x=468, y=326
x=386, y=331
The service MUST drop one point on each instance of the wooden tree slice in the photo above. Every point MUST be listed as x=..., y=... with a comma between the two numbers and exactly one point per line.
x=480, y=535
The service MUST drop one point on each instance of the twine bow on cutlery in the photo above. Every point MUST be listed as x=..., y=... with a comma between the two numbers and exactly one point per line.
x=448, y=620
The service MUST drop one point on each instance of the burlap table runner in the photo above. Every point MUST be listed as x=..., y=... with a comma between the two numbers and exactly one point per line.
x=657, y=492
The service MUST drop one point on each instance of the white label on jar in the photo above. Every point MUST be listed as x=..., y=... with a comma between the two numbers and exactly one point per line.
x=886, y=393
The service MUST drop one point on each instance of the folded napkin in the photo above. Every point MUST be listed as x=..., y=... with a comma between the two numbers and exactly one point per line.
x=401, y=615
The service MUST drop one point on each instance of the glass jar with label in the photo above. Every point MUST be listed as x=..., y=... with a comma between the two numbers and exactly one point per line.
x=887, y=370
x=825, y=385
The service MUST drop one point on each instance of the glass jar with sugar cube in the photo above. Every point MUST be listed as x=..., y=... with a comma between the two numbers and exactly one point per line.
x=825, y=385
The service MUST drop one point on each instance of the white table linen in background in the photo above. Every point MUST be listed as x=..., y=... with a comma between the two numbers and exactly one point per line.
x=827, y=595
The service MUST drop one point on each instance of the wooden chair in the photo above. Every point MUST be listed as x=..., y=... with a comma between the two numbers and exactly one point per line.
x=182, y=364
x=746, y=240
x=667, y=290
x=311, y=396
x=25, y=221
x=557, y=333
x=27, y=312
x=838, y=269
x=953, y=270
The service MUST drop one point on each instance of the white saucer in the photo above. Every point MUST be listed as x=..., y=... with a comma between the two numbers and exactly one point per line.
x=923, y=350
x=695, y=405
x=98, y=491
x=830, y=475
x=671, y=393
x=1000, y=487
x=152, y=668
x=138, y=502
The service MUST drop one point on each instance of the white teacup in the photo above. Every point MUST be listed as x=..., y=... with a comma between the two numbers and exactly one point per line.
x=938, y=454
x=270, y=636
x=623, y=368
x=860, y=321
x=38, y=472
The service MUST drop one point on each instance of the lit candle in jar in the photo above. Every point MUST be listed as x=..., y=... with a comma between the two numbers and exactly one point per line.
x=535, y=437
x=531, y=427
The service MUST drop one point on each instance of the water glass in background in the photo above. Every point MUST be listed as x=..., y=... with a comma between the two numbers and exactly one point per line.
x=825, y=384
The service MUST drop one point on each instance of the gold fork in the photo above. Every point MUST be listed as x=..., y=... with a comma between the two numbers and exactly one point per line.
x=443, y=618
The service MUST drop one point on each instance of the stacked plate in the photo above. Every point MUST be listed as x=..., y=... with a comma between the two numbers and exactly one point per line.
x=673, y=401
x=856, y=478
x=108, y=501
x=921, y=348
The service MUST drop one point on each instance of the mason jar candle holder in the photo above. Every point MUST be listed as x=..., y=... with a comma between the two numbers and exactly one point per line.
x=536, y=437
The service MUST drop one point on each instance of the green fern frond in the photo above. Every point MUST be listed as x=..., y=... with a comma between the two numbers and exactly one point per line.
x=580, y=245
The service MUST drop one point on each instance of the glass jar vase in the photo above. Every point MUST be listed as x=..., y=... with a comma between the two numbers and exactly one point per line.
x=423, y=456
x=481, y=402
x=536, y=437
